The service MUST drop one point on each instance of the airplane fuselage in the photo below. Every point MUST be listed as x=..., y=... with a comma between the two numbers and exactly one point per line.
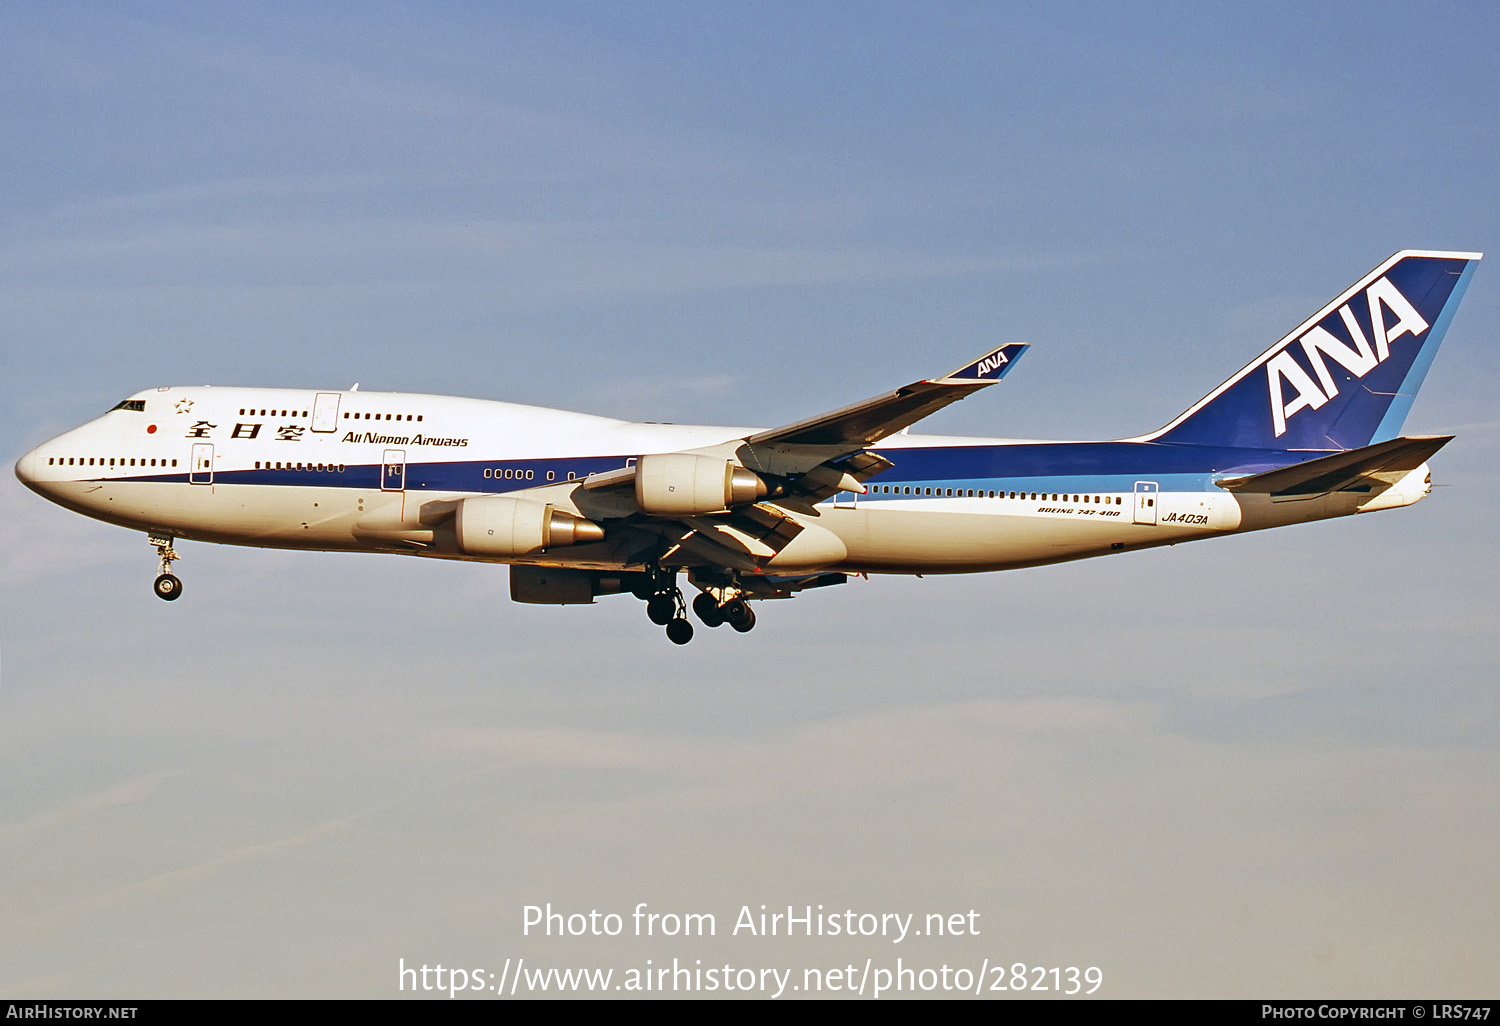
x=583, y=506
x=354, y=471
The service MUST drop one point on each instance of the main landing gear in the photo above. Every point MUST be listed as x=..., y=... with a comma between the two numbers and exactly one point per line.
x=665, y=607
x=732, y=610
x=167, y=586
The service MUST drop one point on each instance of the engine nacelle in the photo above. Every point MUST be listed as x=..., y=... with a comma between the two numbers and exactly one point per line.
x=685, y=484
x=504, y=525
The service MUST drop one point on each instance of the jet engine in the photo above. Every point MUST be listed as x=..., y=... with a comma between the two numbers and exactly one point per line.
x=684, y=484
x=504, y=525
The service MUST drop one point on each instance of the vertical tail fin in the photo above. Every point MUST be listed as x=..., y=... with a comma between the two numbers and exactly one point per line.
x=1346, y=376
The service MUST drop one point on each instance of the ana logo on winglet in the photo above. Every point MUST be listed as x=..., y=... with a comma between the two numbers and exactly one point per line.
x=1356, y=355
x=992, y=365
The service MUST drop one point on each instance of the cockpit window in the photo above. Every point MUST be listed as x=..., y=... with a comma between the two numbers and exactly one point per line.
x=138, y=405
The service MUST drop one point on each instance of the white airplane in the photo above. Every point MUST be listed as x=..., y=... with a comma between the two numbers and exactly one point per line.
x=582, y=506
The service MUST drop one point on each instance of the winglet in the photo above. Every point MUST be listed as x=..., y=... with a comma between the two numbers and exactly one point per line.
x=992, y=366
x=863, y=424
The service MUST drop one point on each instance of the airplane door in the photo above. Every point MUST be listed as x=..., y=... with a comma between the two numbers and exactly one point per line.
x=1146, y=494
x=201, y=466
x=393, y=474
x=326, y=412
x=845, y=499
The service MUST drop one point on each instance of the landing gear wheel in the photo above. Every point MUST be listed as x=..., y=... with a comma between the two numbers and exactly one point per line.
x=680, y=631
x=708, y=610
x=168, y=587
x=736, y=610
x=661, y=608
x=744, y=621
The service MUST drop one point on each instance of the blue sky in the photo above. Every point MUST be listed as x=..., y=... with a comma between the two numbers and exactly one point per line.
x=1269, y=758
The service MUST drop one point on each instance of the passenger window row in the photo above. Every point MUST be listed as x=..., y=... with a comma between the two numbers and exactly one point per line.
x=317, y=468
x=110, y=461
x=245, y=412
x=520, y=475
x=980, y=493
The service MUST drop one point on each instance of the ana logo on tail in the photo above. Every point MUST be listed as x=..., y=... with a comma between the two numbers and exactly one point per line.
x=1356, y=356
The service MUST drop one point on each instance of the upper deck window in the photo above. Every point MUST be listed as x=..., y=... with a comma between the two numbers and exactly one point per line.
x=138, y=405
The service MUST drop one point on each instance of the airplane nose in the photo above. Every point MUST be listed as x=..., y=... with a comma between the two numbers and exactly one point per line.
x=26, y=468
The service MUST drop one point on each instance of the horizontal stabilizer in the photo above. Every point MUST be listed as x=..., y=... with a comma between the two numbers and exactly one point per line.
x=1342, y=469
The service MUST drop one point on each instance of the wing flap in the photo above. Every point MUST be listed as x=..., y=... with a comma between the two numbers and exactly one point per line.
x=846, y=475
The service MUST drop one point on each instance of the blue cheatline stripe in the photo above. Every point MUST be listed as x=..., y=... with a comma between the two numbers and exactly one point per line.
x=1038, y=467
x=445, y=476
x=1002, y=487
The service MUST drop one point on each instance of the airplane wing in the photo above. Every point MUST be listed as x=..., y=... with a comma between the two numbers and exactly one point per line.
x=865, y=423
x=815, y=458
x=735, y=505
x=829, y=453
x=1382, y=463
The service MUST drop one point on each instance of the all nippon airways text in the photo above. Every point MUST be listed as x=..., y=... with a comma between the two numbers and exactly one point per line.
x=750, y=921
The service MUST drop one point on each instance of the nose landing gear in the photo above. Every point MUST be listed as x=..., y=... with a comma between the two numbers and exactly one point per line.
x=167, y=586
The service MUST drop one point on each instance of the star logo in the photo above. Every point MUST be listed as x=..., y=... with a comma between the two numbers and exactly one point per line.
x=184, y=405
